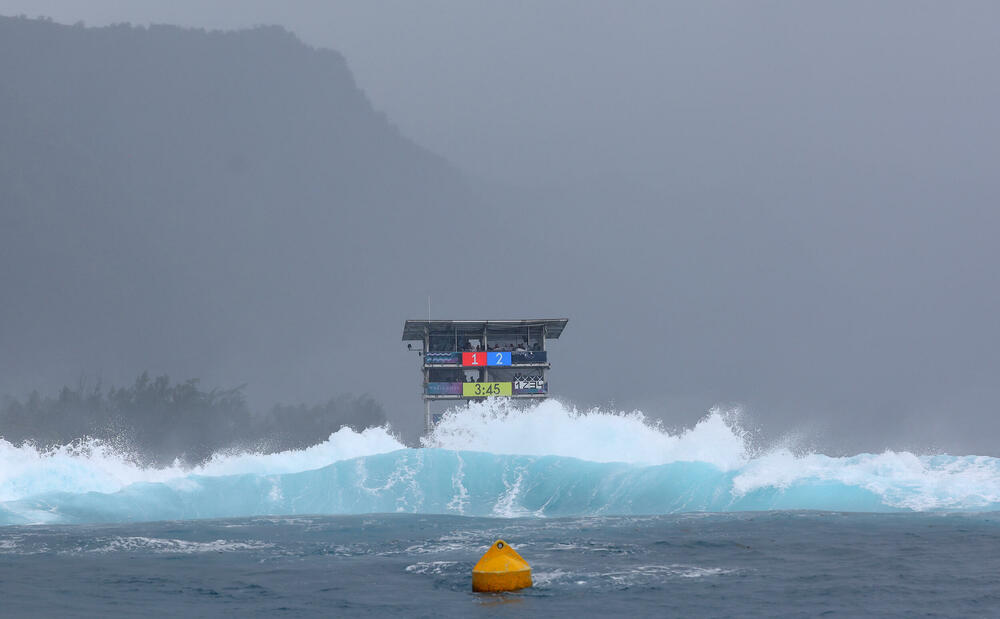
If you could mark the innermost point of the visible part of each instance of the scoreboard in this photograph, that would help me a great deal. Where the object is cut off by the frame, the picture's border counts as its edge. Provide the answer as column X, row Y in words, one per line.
column 530, row 386
column 486, row 358
column 474, row 359
column 485, row 390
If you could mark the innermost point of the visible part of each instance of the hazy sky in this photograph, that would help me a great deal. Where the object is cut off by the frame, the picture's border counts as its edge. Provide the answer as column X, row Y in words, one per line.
column 785, row 204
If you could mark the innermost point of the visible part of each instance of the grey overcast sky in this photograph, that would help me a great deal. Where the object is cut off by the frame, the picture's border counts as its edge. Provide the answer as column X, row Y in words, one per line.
column 789, row 205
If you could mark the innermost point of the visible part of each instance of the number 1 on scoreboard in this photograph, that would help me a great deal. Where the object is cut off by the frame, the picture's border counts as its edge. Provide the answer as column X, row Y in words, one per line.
column 472, row 358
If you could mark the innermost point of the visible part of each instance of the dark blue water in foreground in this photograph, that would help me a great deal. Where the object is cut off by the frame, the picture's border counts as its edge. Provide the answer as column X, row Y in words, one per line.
column 764, row 564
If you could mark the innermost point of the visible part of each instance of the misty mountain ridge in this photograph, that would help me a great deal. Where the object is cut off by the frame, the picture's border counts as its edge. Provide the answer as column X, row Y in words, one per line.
column 185, row 198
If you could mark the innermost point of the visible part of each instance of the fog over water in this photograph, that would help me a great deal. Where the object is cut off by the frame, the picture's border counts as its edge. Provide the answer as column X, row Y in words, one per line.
column 780, row 206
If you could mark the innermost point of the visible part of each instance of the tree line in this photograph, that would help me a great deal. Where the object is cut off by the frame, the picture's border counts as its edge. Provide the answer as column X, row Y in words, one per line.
column 160, row 421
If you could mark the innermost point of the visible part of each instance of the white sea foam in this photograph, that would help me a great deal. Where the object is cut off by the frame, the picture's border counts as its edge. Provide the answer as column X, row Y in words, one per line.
column 901, row 479
column 94, row 466
column 550, row 428
column 432, row 567
column 625, row 578
column 644, row 574
column 170, row 546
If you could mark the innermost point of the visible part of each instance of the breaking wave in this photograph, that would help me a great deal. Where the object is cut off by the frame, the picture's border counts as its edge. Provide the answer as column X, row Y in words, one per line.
column 493, row 460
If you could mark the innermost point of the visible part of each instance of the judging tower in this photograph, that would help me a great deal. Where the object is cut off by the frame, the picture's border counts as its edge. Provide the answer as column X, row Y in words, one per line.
column 475, row 359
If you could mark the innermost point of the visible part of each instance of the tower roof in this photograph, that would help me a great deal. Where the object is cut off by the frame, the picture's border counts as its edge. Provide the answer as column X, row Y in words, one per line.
column 414, row 329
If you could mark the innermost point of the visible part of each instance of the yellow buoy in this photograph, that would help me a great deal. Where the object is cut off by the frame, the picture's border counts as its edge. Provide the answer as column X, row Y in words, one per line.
column 501, row 569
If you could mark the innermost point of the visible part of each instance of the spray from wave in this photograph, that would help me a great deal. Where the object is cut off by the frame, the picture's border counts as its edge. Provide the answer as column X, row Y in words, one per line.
column 493, row 459
column 97, row 466
column 551, row 429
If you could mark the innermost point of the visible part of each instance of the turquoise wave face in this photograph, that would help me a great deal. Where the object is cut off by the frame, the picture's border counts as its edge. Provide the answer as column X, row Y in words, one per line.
column 491, row 459
column 481, row 484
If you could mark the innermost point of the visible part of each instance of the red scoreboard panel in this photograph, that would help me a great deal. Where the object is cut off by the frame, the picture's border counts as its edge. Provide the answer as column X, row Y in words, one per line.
column 474, row 358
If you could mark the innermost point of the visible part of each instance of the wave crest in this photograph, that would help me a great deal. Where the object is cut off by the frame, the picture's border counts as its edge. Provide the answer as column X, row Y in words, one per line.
column 96, row 466
column 552, row 429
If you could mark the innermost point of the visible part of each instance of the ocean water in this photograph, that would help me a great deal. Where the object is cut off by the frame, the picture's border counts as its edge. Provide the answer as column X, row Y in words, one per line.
column 413, row 565
column 615, row 514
